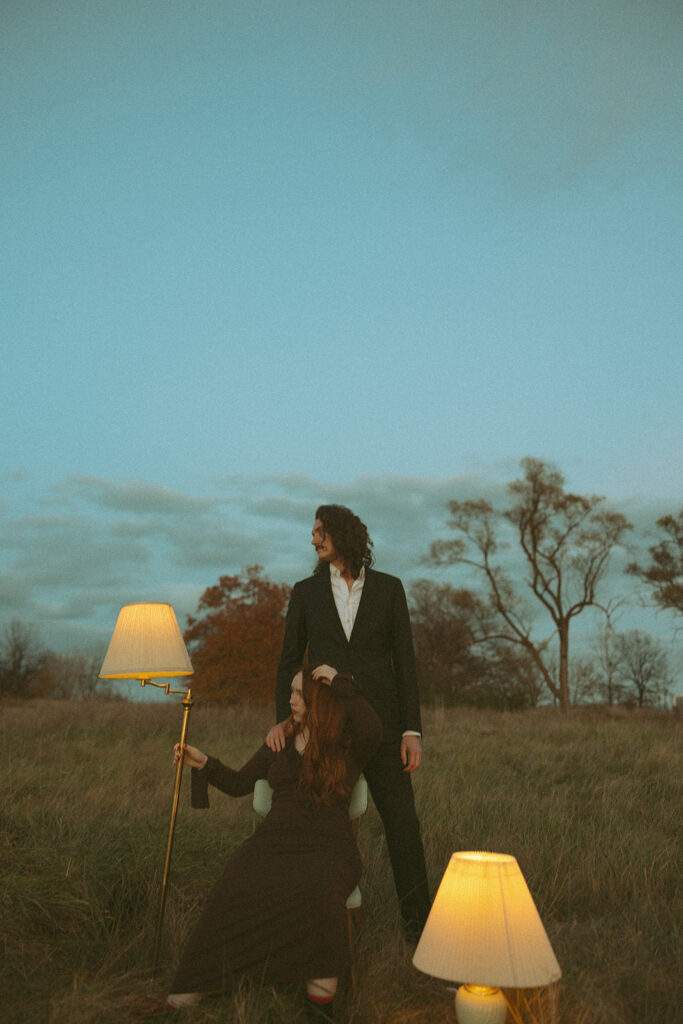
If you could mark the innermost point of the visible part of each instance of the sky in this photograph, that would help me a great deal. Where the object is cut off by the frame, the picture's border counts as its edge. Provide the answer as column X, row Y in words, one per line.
column 262, row 255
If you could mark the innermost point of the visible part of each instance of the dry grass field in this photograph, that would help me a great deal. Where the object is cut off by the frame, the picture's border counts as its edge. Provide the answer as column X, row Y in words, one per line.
column 589, row 804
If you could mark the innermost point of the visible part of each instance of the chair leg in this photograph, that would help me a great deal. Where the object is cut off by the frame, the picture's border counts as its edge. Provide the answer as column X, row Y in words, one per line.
column 352, row 950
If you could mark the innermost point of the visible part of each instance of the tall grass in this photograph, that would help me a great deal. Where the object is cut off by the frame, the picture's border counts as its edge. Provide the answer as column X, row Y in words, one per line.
column 589, row 804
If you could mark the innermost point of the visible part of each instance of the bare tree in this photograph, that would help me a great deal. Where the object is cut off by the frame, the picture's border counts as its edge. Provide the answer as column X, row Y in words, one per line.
column 664, row 575
column 566, row 541
column 644, row 664
column 72, row 676
column 584, row 681
column 606, row 655
column 512, row 680
column 21, row 657
column 607, row 663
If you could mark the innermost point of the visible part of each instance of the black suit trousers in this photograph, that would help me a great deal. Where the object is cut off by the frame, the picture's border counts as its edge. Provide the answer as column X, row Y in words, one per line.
column 392, row 792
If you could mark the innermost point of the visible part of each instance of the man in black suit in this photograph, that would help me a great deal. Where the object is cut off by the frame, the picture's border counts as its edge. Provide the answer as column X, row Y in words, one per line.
column 350, row 616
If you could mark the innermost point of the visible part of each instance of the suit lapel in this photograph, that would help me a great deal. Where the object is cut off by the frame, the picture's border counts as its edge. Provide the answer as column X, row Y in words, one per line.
column 365, row 604
column 327, row 600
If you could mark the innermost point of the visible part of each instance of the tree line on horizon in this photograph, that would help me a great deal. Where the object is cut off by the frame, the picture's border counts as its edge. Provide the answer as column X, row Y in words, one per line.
column 477, row 645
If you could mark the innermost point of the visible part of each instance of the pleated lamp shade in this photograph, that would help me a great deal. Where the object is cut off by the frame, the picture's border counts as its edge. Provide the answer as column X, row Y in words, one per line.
column 484, row 929
column 146, row 644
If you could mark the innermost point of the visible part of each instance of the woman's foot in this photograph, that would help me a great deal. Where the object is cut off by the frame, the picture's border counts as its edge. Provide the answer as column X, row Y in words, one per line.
column 145, row 1005
column 179, row 1000
column 320, row 1011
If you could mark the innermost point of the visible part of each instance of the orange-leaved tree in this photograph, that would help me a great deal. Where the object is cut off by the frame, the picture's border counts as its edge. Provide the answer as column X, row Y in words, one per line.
column 236, row 638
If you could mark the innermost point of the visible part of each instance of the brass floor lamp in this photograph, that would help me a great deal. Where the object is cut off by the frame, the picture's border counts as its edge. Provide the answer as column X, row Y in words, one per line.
column 147, row 645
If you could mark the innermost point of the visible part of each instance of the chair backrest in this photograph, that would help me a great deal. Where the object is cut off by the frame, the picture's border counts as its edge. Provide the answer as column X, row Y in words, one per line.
column 263, row 798
column 358, row 804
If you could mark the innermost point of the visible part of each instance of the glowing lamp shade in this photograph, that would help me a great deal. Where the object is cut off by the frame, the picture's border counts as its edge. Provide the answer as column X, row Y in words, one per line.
column 484, row 931
column 146, row 644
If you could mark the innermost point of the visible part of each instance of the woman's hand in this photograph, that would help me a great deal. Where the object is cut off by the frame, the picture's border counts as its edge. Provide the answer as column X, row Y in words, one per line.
column 193, row 757
column 324, row 673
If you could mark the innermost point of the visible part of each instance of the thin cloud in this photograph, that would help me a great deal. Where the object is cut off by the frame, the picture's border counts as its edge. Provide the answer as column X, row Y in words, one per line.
column 135, row 496
column 108, row 543
column 58, row 551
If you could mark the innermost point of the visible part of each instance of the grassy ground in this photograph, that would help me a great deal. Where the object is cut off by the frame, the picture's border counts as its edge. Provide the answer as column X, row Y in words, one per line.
column 589, row 805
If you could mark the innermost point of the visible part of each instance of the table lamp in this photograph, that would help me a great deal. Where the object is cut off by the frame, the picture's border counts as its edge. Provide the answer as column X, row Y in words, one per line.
column 147, row 645
column 484, row 932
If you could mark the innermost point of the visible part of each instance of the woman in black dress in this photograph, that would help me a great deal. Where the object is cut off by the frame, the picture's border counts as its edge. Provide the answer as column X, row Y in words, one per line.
column 278, row 911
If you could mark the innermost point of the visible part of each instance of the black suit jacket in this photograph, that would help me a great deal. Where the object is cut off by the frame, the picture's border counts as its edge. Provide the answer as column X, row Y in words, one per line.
column 379, row 653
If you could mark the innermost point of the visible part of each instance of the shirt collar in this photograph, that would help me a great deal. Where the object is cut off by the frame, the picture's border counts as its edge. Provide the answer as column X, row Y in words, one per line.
column 336, row 574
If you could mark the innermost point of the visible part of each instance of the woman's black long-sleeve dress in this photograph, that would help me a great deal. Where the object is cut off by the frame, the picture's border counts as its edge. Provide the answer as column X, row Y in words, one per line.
column 278, row 911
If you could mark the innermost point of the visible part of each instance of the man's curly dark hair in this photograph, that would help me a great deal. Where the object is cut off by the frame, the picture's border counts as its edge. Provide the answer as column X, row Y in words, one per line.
column 349, row 536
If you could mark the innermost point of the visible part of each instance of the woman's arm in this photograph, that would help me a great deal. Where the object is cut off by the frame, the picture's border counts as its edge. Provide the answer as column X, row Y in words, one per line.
column 228, row 780
column 364, row 723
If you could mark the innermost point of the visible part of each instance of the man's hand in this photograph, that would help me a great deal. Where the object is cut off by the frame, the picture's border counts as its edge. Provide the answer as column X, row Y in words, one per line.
column 325, row 673
column 411, row 753
column 275, row 740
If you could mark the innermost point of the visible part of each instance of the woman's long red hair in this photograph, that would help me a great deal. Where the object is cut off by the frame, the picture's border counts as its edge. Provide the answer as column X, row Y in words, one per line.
column 323, row 765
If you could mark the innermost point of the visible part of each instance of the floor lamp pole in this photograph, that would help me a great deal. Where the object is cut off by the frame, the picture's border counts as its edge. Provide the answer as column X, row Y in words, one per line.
column 187, row 705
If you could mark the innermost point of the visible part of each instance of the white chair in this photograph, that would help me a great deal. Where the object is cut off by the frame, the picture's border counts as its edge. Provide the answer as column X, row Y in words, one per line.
column 358, row 805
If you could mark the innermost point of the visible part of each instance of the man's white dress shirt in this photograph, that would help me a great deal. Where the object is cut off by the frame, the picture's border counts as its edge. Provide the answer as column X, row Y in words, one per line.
column 347, row 602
